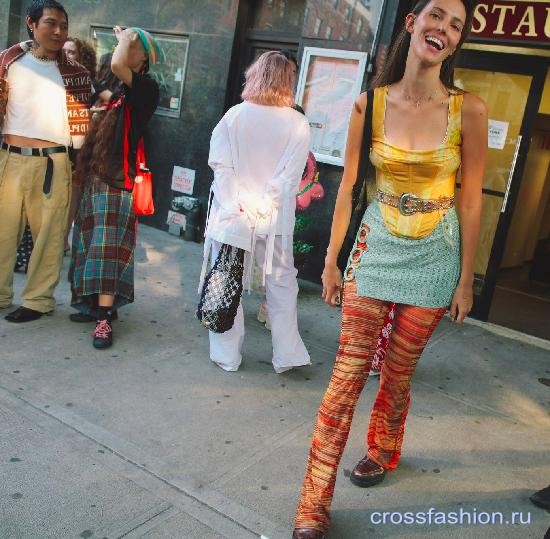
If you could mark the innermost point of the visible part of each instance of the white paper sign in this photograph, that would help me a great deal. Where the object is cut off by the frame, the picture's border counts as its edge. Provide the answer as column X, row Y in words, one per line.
column 175, row 218
column 183, row 180
column 497, row 134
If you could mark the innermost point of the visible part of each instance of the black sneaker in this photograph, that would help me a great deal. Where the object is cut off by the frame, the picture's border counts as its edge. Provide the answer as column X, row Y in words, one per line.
column 541, row 498
column 83, row 317
column 103, row 334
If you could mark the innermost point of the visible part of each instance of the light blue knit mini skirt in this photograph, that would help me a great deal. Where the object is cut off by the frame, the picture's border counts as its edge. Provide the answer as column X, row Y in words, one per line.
column 422, row 272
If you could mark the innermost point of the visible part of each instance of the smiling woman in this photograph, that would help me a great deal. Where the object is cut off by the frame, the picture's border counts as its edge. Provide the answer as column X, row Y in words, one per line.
column 411, row 254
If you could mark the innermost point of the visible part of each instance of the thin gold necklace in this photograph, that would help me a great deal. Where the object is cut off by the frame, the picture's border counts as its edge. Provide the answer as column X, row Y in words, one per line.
column 418, row 101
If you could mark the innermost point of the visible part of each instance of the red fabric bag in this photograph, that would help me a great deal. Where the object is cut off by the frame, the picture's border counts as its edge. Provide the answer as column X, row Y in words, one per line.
column 143, row 185
column 143, row 182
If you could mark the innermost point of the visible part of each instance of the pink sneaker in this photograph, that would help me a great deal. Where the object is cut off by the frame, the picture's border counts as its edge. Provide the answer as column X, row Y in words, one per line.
column 103, row 334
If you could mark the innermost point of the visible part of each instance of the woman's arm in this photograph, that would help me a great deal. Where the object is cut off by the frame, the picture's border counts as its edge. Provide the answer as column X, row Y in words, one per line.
column 474, row 156
column 105, row 96
column 220, row 160
column 332, row 278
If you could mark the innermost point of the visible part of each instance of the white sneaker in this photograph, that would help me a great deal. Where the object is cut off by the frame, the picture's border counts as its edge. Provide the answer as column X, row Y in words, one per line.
column 263, row 316
column 280, row 370
column 226, row 368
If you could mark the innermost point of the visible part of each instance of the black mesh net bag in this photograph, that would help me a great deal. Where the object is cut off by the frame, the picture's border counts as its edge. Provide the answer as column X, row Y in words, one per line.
column 222, row 290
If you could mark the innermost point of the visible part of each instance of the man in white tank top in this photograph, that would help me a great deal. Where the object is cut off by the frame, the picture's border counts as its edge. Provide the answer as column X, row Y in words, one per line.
column 37, row 119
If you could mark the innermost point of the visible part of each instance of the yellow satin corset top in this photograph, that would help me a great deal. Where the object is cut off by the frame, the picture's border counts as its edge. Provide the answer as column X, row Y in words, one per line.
column 427, row 174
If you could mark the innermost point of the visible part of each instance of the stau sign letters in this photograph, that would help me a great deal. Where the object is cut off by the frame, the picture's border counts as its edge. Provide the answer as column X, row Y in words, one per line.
column 518, row 20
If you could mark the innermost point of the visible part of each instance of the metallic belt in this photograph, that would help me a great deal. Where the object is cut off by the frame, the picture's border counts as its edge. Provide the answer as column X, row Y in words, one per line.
column 407, row 203
column 39, row 152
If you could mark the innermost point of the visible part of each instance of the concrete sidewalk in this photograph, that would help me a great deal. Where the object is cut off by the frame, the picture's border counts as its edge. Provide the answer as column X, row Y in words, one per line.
column 150, row 439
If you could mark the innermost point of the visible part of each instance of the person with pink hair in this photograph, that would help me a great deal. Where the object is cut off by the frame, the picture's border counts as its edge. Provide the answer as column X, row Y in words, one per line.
column 258, row 151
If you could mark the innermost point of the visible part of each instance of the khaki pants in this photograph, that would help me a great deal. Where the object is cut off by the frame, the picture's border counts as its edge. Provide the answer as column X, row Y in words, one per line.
column 22, row 200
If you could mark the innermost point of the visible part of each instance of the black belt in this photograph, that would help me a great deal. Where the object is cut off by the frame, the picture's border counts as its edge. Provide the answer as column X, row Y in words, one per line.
column 39, row 152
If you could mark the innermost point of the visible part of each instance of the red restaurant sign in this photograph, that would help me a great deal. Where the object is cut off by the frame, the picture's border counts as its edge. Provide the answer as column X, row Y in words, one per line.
column 512, row 20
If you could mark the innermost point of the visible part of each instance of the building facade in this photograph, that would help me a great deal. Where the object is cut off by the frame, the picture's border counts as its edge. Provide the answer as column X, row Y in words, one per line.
column 210, row 44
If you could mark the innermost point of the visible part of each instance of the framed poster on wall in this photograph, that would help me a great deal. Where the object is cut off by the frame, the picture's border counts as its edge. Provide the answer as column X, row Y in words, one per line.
column 330, row 80
column 169, row 74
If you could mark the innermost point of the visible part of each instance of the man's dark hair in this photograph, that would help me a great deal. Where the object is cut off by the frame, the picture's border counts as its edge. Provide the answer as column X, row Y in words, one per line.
column 36, row 10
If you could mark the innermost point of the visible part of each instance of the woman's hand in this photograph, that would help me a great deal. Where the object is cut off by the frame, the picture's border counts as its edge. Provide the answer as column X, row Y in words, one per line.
column 119, row 32
column 332, row 282
column 463, row 299
column 128, row 33
column 332, row 277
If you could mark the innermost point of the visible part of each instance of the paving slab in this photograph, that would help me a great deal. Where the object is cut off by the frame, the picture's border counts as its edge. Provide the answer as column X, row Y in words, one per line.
column 166, row 444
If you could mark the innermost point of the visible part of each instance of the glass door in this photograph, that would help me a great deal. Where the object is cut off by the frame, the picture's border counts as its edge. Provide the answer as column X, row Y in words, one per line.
column 511, row 87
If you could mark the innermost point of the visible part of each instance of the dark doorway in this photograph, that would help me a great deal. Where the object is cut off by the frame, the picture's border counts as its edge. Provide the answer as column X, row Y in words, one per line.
column 262, row 25
column 521, row 299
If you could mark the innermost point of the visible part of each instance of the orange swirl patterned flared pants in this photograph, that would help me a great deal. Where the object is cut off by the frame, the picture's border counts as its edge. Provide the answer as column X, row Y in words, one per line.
column 362, row 319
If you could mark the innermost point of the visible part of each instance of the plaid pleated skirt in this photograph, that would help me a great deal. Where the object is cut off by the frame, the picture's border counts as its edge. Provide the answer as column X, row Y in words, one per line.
column 103, row 246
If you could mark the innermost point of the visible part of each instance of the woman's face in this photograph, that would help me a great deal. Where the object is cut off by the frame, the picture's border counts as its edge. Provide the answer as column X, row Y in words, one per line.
column 436, row 30
column 70, row 48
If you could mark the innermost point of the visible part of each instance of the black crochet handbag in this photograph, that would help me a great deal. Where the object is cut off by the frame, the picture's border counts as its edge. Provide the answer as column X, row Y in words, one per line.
column 222, row 290
column 361, row 189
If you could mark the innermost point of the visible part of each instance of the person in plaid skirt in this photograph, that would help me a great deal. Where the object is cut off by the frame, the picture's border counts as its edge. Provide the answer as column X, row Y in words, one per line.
column 104, row 235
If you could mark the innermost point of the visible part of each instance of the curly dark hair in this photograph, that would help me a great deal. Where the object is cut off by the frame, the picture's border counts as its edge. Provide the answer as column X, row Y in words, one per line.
column 105, row 75
column 85, row 55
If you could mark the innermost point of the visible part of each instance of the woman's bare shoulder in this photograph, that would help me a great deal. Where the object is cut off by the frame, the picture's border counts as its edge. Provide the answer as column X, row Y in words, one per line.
column 473, row 106
column 360, row 103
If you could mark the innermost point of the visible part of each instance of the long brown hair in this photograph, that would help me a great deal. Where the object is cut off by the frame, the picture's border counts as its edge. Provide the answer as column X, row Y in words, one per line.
column 93, row 157
column 394, row 68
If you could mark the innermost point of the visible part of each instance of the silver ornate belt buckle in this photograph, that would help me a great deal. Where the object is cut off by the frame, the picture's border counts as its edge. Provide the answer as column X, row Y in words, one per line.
column 404, row 199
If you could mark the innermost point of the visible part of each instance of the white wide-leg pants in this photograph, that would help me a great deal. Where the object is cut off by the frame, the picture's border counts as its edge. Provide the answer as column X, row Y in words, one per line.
column 281, row 294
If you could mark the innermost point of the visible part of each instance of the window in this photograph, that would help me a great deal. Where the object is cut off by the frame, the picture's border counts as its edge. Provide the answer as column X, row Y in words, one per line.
column 170, row 74
column 347, row 12
column 328, row 32
column 280, row 16
column 360, row 25
column 328, row 84
column 335, row 3
column 318, row 23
